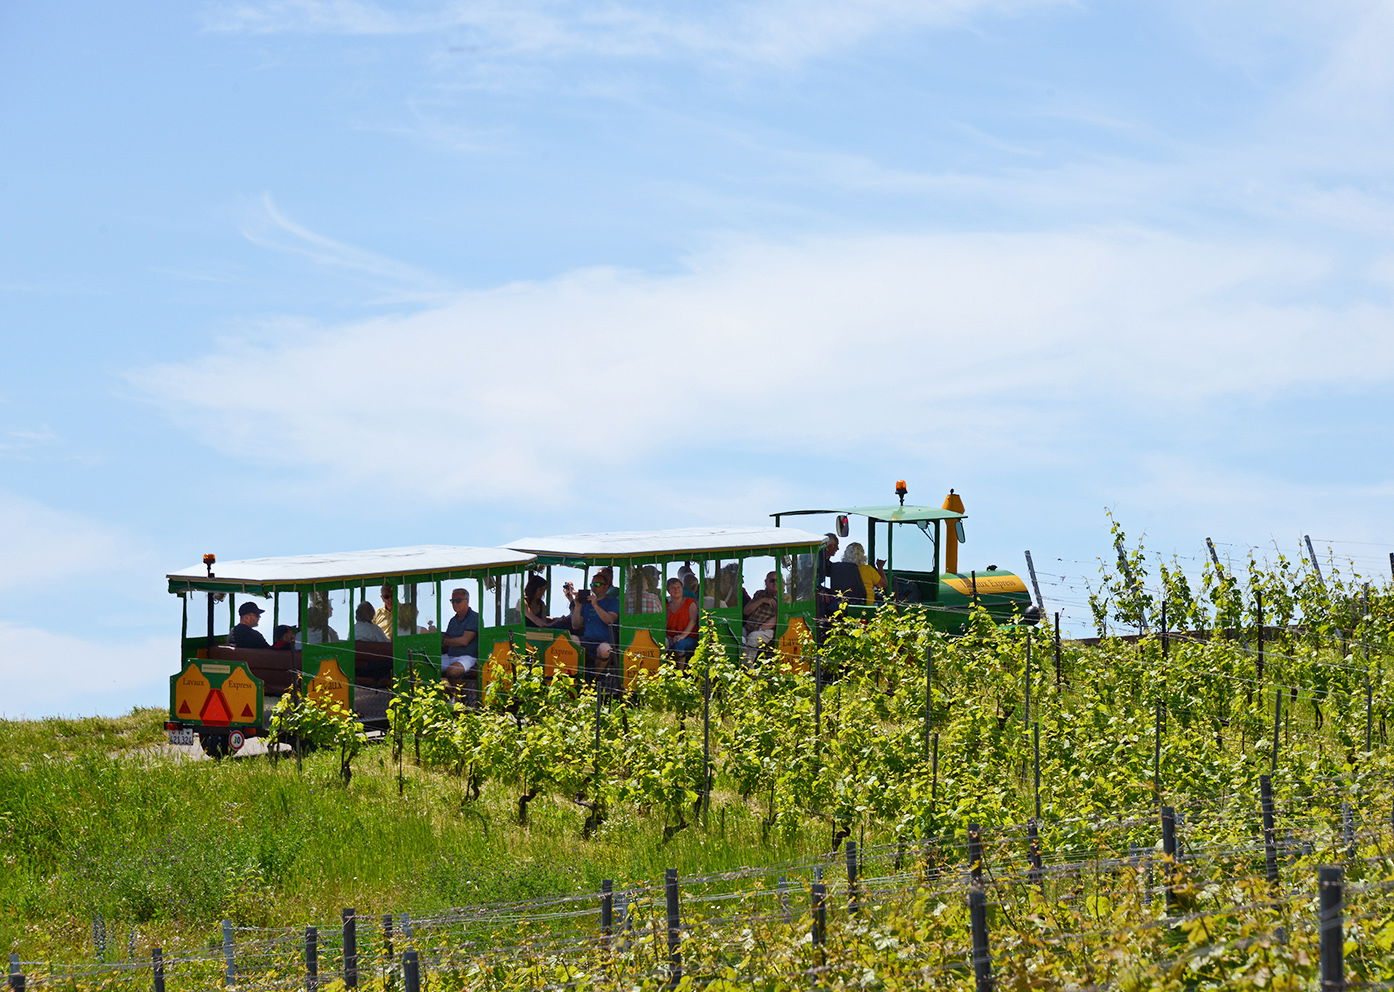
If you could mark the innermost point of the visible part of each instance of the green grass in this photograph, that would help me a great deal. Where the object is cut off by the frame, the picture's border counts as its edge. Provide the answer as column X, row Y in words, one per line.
column 95, row 819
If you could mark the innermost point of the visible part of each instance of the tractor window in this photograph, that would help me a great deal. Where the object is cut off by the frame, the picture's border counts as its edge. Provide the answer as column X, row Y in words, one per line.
column 912, row 548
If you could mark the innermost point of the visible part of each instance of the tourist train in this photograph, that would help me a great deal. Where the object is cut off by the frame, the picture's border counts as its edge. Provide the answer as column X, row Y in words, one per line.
column 761, row 588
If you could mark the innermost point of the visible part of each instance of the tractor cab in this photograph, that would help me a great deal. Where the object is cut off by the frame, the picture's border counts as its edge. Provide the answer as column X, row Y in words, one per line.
column 908, row 555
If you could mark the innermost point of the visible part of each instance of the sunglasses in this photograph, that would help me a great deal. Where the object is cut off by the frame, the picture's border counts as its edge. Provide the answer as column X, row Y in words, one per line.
column 459, row 599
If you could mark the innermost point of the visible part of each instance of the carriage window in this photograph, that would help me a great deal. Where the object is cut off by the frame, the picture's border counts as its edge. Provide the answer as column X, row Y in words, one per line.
column 690, row 576
column 561, row 575
column 491, row 606
column 476, row 597
column 798, row 578
column 756, row 572
column 723, row 583
column 642, row 593
column 326, row 613
column 421, row 608
column 282, row 611
column 511, row 594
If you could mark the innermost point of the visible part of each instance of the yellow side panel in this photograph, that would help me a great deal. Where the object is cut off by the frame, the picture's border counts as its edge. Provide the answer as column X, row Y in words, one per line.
column 190, row 692
column 791, row 645
column 330, row 684
column 561, row 658
column 499, row 665
column 642, row 655
column 987, row 584
column 240, row 694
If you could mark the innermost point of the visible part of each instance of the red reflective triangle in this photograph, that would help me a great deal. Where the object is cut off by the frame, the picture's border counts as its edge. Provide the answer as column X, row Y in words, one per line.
column 184, row 708
column 215, row 711
column 247, row 713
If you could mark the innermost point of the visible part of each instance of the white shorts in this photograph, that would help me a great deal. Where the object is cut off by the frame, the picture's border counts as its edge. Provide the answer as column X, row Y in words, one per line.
column 467, row 660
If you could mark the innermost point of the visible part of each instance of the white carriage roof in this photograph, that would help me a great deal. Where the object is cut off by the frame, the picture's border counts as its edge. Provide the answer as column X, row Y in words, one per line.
column 634, row 543
column 426, row 558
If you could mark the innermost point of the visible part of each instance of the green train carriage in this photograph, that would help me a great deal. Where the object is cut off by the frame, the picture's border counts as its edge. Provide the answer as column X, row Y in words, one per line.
column 721, row 561
column 224, row 694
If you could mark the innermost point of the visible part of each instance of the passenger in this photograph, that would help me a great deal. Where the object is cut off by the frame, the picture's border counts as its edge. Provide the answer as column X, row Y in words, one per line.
column 825, row 601
column 317, row 614
column 727, row 582
column 689, row 581
column 459, row 650
column 825, row 557
column 761, row 614
column 682, row 622
column 364, row 627
column 535, row 605
column 389, row 615
column 245, row 634
column 284, row 639
column 642, row 594
column 594, row 612
column 871, row 578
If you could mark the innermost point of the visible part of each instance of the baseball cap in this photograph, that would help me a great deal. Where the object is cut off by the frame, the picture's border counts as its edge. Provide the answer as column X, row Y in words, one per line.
column 246, row 608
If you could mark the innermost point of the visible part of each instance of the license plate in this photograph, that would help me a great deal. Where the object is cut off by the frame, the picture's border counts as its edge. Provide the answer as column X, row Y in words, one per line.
column 184, row 735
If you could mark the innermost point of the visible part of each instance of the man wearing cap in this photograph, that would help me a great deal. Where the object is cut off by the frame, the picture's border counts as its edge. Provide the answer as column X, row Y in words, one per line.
column 245, row 634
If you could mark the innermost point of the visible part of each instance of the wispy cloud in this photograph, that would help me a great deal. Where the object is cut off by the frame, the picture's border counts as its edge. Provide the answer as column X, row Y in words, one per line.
column 268, row 227
column 778, row 32
column 799, row 348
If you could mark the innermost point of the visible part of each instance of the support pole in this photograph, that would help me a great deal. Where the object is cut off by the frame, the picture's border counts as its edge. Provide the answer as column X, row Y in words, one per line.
column 1169, row 849
column 1258, row 662
column 1331, row 890
column 157, row 969
column 411, row 971
column 982, row 953
column 1316, row 566
column 1270, row 842
column 1035, row 586
column 1036, row 876
column 670, row 889
column 853, row 897
column 229, row 964
column 1057, row 651
column 975, row 853
column 350, row 949
column 819, row 905
column 928, row 695
column 1036, row 749
column 311, row 959
column 607, row 911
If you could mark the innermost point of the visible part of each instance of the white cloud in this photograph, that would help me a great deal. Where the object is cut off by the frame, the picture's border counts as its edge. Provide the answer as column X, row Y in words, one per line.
column 925, row 344
column 47, row 674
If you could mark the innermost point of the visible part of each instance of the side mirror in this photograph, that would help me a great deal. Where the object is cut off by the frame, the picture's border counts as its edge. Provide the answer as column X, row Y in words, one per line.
column 958, row 527
column 842, row 526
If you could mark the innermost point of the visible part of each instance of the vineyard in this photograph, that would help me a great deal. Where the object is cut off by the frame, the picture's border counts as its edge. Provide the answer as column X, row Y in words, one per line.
column 1163, row 809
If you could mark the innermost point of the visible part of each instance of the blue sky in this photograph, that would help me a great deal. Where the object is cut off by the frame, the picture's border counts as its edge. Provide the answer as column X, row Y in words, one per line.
column 311, row 275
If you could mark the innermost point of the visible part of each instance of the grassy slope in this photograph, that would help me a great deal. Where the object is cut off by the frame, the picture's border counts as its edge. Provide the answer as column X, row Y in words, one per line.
column 95, row 817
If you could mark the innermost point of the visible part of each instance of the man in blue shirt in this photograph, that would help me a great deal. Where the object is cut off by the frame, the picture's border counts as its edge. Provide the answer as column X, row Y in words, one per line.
column 459, row 651
column 594, row 613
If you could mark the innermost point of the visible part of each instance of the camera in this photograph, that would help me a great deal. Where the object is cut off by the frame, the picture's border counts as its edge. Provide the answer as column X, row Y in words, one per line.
column 584, row 596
